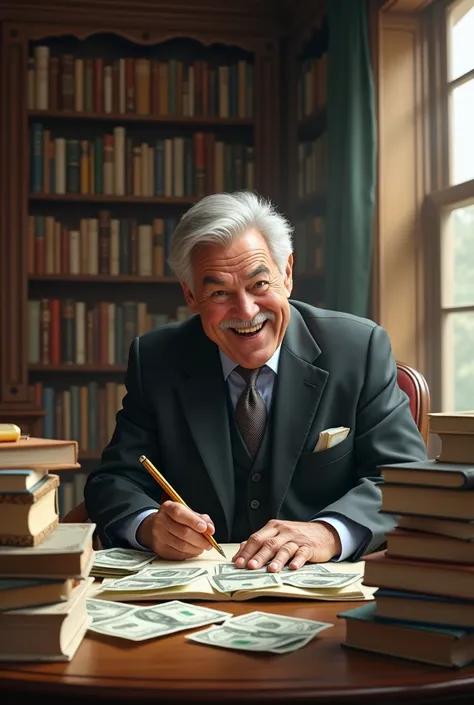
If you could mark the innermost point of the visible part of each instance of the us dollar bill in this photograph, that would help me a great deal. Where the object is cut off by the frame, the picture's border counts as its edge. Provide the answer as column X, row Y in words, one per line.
column 248, row 580
column 153, row 580
column 141, row 623
column 317, row 581
column 119, row 561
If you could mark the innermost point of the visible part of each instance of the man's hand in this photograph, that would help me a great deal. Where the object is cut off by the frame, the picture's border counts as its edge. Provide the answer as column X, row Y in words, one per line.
column 175, row 532
column 293, row 542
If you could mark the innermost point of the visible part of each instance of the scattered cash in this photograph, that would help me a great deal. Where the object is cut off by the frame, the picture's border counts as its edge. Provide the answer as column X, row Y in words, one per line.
column 255, row 631
column 316, row 576
column 261, row 631
column 245, row 580
column 141, row 623
column 119, row 561
column 150, row 580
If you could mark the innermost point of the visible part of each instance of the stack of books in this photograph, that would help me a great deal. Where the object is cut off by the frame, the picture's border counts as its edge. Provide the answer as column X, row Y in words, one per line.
column 424, row 605
column 44, row 565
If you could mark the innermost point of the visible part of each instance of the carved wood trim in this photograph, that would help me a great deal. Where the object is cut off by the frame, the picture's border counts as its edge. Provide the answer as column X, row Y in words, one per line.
column 145, row 37
column 248, row 17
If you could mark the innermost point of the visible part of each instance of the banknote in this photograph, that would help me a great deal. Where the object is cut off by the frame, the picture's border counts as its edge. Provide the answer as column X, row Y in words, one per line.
column 228, row 638
column 141, row 623
column 308, row 580
column 221, row 568
column 102, row 611
column 153, row 579
column 246, row 580
column 119, row 561
column 278, row 624
column 261, row 631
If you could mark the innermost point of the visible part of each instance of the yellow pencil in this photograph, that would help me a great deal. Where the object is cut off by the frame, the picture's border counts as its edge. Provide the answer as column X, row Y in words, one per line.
column 165, row 485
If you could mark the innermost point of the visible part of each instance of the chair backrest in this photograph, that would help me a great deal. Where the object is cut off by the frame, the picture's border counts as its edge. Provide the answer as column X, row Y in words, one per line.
column 416, row 388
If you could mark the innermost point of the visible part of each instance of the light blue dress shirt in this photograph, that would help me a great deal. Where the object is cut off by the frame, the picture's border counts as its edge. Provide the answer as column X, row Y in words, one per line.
column 351, row 534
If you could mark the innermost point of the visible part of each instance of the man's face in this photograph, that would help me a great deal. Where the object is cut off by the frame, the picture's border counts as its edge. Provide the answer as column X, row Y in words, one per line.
column 237, row 286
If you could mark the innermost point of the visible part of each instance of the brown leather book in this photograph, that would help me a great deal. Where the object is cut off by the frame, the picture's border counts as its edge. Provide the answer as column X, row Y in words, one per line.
column 50, row 453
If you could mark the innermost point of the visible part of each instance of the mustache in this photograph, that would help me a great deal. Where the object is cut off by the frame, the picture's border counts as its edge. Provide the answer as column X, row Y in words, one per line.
column 256, row 321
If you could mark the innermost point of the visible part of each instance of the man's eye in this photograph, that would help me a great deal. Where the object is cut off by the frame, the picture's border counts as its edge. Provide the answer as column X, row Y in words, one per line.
column 261, row 284
column 216, row 294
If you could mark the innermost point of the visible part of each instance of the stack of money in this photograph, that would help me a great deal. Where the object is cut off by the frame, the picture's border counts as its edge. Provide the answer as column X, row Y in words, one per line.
column 114, row 562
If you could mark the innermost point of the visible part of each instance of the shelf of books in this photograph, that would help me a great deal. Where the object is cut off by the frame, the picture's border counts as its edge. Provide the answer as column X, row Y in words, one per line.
column 309, row 197
column 124, row 137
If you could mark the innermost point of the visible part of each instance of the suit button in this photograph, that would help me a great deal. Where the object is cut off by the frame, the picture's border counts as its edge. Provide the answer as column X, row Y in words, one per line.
column 256, row 477
column 255, row 504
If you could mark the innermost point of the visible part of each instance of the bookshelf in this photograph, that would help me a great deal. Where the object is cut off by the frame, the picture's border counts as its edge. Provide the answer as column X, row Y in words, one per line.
column 114, row 133
column 307, row 158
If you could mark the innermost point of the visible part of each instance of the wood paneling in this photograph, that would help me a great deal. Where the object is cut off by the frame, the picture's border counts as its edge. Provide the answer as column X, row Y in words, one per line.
column 261, row 17
column 399, row 267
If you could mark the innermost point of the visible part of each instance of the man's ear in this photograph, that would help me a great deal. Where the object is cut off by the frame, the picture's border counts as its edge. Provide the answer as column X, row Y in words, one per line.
column 190, row 299
column 288, row 278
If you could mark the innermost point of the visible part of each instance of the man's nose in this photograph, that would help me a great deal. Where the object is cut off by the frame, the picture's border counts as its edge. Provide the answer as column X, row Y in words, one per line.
column 246, row 307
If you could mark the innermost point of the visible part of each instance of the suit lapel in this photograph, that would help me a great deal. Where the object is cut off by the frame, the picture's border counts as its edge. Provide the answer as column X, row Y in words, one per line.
column 204, row 400
column 299, row 388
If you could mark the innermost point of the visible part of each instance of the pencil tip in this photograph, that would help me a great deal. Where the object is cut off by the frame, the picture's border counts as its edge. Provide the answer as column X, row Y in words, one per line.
column 221, row 552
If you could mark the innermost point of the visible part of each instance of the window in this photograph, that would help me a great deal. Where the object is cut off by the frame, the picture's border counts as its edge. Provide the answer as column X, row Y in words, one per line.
column 455, row 212
column 461, row 90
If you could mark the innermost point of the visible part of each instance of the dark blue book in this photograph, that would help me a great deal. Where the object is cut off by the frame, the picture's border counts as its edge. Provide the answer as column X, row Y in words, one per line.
column 430, row 473
column 452, row 647
column 414, row 607
column 17, row 593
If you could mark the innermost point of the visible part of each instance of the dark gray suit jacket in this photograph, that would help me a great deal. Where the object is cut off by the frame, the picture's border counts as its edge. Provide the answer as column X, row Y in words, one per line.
column 335, row 370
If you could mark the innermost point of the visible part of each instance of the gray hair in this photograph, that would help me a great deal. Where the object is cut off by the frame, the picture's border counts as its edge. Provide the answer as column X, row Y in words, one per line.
column 220, row 219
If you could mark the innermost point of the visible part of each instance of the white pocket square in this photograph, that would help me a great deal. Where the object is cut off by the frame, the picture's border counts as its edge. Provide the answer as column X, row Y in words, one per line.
column 331, row 437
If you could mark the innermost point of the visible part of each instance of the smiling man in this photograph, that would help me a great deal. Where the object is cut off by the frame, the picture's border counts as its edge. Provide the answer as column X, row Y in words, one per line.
column 230, row 405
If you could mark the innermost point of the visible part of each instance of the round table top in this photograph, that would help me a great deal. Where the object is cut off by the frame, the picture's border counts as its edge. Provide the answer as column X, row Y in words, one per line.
column 175, row 669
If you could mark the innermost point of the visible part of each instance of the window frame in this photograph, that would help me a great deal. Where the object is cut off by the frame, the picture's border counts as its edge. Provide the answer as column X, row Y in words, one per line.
column 445, row 198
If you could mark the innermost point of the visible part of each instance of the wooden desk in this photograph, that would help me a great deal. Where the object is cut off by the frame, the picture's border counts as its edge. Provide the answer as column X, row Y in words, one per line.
column 174, row 670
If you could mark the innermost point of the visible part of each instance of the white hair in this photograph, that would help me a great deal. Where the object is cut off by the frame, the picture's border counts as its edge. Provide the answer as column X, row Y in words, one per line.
column 222, row 218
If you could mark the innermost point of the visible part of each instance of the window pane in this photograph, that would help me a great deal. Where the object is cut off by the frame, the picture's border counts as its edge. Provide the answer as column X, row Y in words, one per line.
column 457, row 258
column 461, row 33
column 458, row 362
column 462, row 132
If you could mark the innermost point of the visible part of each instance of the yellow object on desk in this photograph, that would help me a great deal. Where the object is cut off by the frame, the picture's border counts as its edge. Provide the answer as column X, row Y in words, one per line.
column 9, row 432
column 165, row 485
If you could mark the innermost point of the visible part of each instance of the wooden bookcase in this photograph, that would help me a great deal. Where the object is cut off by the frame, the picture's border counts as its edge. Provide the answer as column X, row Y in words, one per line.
column 307, row 149
column 59, row 237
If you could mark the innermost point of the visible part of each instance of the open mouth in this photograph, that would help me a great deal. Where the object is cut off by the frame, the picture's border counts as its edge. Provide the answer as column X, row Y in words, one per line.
column 249, row 332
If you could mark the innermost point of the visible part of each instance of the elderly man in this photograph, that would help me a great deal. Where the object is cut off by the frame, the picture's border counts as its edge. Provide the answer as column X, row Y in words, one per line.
column 230, row 404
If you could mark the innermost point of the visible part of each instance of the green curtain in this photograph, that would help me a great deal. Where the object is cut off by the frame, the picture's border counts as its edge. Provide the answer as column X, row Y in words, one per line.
column 351, row 174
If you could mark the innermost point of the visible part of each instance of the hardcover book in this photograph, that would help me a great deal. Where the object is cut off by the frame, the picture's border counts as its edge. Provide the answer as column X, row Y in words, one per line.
column 26, row 518
column 50, row 633
column 39, row 453
column 66, row 553
column 442, row 646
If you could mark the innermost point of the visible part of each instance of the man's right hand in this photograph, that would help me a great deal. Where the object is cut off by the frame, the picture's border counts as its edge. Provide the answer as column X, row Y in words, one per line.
column 175, row 532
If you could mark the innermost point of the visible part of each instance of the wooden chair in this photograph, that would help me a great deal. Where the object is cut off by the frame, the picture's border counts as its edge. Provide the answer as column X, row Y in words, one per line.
column 416, row 388
column 410, row 381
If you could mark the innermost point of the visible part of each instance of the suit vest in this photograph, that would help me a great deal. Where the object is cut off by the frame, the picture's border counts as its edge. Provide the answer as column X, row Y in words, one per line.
column 252, row 482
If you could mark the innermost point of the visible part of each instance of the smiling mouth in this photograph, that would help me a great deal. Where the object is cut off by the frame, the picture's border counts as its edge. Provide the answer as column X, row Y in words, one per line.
column 249, row 332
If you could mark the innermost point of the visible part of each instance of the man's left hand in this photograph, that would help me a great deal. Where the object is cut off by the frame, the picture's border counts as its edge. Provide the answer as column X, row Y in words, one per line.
column 292, row 542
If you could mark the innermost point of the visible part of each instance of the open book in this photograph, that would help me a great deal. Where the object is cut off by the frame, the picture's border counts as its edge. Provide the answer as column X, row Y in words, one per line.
column 214, row 580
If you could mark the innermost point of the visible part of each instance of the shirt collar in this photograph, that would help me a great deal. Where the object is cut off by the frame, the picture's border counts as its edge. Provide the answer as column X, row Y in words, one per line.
column 229, row 365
